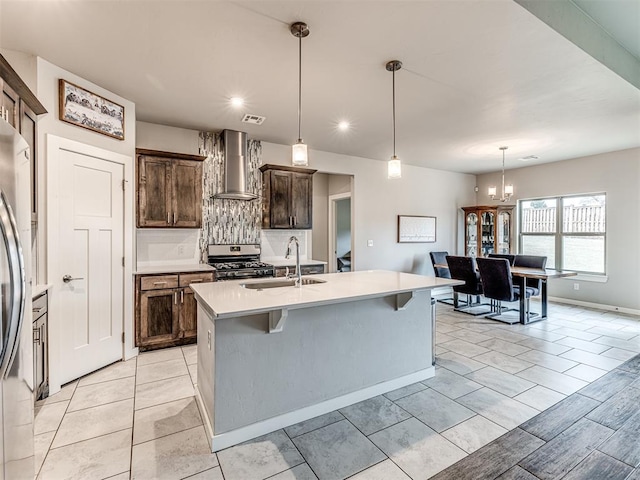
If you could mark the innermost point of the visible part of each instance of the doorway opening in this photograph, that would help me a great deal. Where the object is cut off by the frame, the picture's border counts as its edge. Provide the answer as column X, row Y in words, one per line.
column 340, row 232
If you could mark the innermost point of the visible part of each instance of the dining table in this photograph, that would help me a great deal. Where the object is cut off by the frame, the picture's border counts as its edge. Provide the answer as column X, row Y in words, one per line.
column 520, row 274
column 544, row 274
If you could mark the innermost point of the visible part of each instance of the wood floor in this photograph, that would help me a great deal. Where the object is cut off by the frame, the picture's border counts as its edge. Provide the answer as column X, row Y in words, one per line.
column 592, row 434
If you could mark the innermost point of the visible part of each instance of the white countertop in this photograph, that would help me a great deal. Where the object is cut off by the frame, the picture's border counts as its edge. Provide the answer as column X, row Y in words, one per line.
column 291, row 262
column 191, row 267
column 229, row 299
column 38, row 290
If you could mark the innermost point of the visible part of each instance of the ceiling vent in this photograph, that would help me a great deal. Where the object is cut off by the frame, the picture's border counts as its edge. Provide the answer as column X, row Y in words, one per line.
column 254, row 119
column 529, row 157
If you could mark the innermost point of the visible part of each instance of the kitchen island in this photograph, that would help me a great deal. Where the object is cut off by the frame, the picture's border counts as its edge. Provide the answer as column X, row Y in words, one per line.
column 272, row 357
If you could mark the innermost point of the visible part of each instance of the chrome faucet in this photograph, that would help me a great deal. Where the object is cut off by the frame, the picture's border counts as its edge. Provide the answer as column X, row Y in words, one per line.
column 298, row 271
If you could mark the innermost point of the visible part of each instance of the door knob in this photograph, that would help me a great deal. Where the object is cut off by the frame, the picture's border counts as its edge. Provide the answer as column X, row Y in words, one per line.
column 69, row 278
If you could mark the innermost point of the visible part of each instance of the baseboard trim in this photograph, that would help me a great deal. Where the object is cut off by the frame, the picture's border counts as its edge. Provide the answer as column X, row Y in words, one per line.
column 205, row 417
column 234, row 437
column 599, row 306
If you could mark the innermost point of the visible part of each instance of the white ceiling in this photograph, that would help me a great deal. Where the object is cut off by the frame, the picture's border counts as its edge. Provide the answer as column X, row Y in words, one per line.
column 477, row 74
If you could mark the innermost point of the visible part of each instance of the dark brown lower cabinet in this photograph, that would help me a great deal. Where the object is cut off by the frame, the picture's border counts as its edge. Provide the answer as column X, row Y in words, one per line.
column 188, row 314
column 159, row 318
column 166, row 317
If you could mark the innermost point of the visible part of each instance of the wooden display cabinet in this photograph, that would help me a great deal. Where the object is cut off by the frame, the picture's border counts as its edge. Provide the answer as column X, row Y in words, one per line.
column 488, row 229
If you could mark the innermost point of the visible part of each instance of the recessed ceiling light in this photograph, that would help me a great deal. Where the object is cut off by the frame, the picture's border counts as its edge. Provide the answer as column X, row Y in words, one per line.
column 344, row 125
column 237, row 101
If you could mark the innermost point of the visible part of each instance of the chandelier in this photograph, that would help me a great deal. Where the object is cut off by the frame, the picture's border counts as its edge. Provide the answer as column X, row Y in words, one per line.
column 507, row 190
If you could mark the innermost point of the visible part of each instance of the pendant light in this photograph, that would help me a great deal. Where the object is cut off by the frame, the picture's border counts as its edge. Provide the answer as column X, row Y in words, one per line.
column 507, row 190
column 299, row 155
column 394, row 167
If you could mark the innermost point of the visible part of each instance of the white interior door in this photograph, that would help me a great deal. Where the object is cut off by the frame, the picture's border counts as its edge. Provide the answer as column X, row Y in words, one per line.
column 90, row 273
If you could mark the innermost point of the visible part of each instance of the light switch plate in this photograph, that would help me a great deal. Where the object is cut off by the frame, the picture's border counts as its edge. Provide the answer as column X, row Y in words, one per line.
column 369, row 243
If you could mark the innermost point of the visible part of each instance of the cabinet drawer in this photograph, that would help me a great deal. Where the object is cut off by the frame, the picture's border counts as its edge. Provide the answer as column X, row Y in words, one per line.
column 188, row 278
column 39, row 306
column 158, row 281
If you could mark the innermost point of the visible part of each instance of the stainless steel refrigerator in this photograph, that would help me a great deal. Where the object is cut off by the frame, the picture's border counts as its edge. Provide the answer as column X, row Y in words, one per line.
column 16, row 354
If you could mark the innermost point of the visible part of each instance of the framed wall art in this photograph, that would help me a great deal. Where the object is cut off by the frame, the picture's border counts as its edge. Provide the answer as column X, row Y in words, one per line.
column 416, row 229
column 86, row 109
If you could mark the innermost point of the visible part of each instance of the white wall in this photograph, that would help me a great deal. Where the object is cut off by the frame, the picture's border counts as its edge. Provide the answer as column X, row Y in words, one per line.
column 378, row 201
column 167, row 139
column 320, row 243
column 167, row 246
column 617, row 174
column 42, row 76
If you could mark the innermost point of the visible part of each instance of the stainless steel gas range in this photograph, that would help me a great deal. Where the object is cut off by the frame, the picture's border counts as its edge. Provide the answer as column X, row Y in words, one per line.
column 234, row 262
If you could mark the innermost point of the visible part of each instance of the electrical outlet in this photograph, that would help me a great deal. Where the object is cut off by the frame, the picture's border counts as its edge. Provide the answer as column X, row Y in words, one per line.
column 576, row 286
column 180, row 249
column 369, row 243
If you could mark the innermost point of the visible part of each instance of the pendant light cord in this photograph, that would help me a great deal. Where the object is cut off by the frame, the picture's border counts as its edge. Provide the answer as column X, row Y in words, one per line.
column 503, row 173
column 394, row 111
column 299, row 86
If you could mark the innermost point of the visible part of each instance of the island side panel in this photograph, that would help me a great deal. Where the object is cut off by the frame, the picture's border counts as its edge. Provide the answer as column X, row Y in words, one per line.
column 206, row 363
column 322, row 353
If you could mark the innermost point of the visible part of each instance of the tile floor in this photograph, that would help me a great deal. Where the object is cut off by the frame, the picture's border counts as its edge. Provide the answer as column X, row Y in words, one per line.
column 138, row 419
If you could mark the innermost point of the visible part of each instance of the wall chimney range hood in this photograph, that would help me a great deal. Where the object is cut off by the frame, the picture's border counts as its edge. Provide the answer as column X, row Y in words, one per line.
column 236, row 166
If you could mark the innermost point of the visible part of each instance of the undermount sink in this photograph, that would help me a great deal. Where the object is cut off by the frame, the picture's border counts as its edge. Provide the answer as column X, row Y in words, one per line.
column 280, row 283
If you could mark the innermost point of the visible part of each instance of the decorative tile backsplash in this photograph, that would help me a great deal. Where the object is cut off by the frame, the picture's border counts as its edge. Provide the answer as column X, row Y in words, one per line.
column 227, row 221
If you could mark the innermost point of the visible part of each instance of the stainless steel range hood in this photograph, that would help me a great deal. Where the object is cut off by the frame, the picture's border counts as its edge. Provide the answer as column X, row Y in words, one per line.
column 236, row 166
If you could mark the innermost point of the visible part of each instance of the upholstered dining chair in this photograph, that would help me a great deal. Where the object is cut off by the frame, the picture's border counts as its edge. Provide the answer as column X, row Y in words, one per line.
column 498, row 286
column 508, row 256
column 440, row 258
column 464, row 268
column 532, row 261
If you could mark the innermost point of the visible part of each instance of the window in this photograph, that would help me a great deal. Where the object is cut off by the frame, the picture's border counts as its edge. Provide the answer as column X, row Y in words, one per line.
column 569, row 230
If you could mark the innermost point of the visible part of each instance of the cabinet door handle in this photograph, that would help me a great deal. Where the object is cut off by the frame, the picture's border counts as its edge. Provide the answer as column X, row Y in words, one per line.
column 295, row 221
column 174, row 218
column 36, row 336
column 181, row 296
column 159, row 283
column 175, row 298
column 169, row 218
column 197, row 280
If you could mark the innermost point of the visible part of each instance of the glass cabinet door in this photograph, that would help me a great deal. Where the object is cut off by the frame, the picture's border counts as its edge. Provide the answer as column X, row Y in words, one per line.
column 504, row 232
column 488, row 240
column 471, row 236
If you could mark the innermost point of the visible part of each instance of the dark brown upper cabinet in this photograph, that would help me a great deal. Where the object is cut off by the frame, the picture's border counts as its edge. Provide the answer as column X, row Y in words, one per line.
column 287, row 196
column 169, row 190
column 21, row 108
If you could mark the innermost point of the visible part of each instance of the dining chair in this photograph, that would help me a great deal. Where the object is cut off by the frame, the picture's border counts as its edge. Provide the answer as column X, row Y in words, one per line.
column 465, row 268
column 440, row 258
column 498, row 286
column 508, row 256
column 532, row 261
